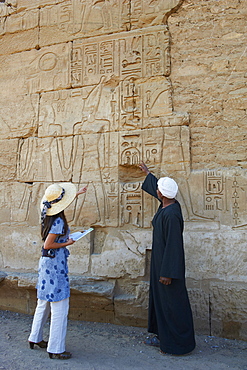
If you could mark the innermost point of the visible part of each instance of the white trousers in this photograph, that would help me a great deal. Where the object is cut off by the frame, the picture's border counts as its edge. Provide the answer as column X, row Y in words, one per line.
column 58, row 326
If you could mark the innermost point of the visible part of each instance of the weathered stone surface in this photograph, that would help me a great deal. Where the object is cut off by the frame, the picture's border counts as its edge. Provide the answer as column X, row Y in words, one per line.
column 88, row 89
column 13, row 43
column 20, row 249
column 19, row 117
column 122, row 254
column 229, row 304
column 8, row 159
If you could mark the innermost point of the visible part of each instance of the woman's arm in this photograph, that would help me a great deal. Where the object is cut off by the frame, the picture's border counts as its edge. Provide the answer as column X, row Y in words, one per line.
column 81, row 191
column 50, row 242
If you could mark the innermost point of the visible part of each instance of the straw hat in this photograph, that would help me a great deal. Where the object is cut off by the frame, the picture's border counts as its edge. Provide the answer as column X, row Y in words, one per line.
column 57, row 197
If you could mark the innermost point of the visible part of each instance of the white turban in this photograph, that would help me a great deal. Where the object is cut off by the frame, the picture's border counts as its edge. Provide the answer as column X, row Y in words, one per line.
column 168, row 187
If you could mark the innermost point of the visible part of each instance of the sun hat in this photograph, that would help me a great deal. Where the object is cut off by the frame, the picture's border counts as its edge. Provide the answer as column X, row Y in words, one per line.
column 57, row 197
column 168, row 187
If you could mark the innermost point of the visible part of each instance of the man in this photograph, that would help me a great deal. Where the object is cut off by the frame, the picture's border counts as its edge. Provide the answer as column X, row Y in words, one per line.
column 169, row 314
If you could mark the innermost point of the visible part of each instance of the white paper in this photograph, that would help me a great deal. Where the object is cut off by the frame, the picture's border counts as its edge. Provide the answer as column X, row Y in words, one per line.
column 79, row 234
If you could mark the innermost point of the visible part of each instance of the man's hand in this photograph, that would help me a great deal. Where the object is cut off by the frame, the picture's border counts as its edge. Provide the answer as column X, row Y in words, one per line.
column 165, row 280
column 144, row 168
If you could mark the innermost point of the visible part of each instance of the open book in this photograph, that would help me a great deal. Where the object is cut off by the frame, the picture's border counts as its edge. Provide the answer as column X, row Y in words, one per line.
column 79, row 234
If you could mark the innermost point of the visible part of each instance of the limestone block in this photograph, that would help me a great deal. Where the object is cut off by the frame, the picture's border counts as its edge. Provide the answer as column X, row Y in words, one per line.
column 8, row 153
column 122, row 253
column 91, row 297
column 8, row 7
column 129, row 312
column 26, row 4
column 22, row 21
column 18, row 117
column 211, row 254
column 79, row 258
column 19, row 248
column 229, row 304
column 25, row 280
column 199, row 295
column 236, row 99
column 19, row 203
column 132, row 306
column 20, row 41
column 35, row 71
column 93, row 286
column 17, row 299
column 89, row 308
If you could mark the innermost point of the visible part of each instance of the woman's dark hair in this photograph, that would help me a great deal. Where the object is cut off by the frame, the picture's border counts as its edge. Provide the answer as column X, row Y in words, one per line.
column 48, row 221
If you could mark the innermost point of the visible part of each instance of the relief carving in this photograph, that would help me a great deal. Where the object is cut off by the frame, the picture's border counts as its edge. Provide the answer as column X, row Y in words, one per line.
column 47, row 69
column 80, row 18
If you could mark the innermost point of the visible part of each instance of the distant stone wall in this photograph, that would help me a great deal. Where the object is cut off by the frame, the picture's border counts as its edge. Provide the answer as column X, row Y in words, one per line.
column 89, row 89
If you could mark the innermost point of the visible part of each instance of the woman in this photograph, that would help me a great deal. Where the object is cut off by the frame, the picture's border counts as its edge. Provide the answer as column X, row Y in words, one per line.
column 53, row 289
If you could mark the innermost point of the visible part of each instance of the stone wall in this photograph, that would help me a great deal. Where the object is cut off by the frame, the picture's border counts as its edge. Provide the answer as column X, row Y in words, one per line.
column 88, row 90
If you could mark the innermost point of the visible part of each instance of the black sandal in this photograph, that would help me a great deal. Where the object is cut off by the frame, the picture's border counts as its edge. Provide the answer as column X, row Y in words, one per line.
column 60, row 356
column 41, row 344
column 154, row 341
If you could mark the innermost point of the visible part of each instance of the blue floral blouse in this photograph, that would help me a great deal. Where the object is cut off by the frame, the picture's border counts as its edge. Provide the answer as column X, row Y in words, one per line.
column 53, row 280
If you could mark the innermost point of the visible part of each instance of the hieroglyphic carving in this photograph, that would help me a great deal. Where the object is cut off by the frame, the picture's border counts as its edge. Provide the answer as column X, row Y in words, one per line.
column 122, row 55
column 133, row 97
column 237, row 190
column 120, row 83
column 235, row 197
column 214, row 196
column 59, row 112
column 80, row 18
column 46, row 159
column 132, row 150
column 131, row 204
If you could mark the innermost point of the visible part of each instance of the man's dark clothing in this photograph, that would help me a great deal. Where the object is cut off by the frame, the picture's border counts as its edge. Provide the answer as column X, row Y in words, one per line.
column 169, row 315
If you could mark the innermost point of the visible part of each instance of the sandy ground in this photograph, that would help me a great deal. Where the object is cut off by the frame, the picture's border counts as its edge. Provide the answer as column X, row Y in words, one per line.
column 97, row 346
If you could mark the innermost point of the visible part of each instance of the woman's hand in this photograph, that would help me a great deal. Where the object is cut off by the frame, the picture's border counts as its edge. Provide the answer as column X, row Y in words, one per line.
column 70, row 241
column 82, row 190
column 144, row 168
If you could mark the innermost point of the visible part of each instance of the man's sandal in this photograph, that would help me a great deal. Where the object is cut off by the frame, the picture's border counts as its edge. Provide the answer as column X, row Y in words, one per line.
column 154, row 341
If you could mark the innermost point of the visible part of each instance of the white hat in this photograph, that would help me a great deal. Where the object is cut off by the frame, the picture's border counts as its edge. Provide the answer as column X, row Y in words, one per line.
column 57, row 197
column 168, row 187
